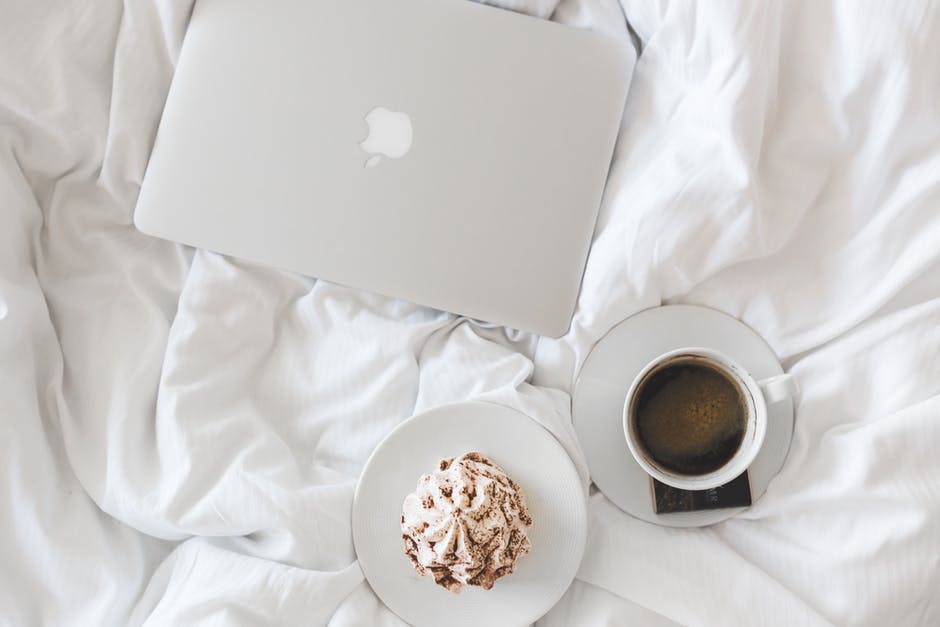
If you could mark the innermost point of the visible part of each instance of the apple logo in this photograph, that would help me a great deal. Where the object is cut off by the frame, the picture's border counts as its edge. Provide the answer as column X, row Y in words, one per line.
column 390, row 135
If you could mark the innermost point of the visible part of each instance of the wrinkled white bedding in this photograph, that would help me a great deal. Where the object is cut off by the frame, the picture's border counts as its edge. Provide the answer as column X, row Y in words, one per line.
column 180, row 433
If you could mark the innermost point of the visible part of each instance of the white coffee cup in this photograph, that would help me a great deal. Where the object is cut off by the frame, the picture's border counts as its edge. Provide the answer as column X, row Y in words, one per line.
column 756, row 395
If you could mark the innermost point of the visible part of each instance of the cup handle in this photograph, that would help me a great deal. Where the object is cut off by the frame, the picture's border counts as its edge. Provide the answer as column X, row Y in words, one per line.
column 778, row 388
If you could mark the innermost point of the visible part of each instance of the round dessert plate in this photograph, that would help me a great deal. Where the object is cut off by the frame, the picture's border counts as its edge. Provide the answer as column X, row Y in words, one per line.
column 531, row 456
column 597, row 404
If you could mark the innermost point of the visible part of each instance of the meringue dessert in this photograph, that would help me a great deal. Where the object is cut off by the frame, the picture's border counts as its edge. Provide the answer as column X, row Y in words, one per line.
column 465, row 523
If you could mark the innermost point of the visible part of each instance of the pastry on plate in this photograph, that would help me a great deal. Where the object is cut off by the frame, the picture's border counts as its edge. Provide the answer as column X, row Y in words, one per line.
column 465, row 523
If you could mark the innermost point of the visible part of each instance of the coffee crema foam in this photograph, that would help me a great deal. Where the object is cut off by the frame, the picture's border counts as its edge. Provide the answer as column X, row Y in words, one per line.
column 690, row 416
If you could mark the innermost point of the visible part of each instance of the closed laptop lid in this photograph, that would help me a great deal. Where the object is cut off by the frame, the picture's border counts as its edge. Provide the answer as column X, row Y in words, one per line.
column 439, row 151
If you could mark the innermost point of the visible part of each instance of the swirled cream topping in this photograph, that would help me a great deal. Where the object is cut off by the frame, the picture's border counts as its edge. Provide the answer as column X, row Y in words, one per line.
column 465, row 523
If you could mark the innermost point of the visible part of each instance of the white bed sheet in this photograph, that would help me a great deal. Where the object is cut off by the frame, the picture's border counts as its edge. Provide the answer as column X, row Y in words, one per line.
column 180, row 433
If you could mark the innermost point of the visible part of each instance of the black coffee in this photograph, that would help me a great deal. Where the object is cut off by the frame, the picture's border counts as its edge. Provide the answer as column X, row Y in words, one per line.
column 690, row 416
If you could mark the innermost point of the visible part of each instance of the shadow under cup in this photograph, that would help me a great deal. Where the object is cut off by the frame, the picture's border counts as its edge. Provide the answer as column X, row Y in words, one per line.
column 688, row 416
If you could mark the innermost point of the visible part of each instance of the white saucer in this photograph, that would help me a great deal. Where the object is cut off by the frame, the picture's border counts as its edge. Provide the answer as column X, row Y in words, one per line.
column 597, row 405
column 530, row 455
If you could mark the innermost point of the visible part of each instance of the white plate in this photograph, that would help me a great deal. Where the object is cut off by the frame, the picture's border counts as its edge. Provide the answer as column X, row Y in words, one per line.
column 531, row 456
column 597, row 405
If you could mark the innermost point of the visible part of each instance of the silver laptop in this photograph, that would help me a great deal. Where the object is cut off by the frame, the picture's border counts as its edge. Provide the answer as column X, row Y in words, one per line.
column 439, row 151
